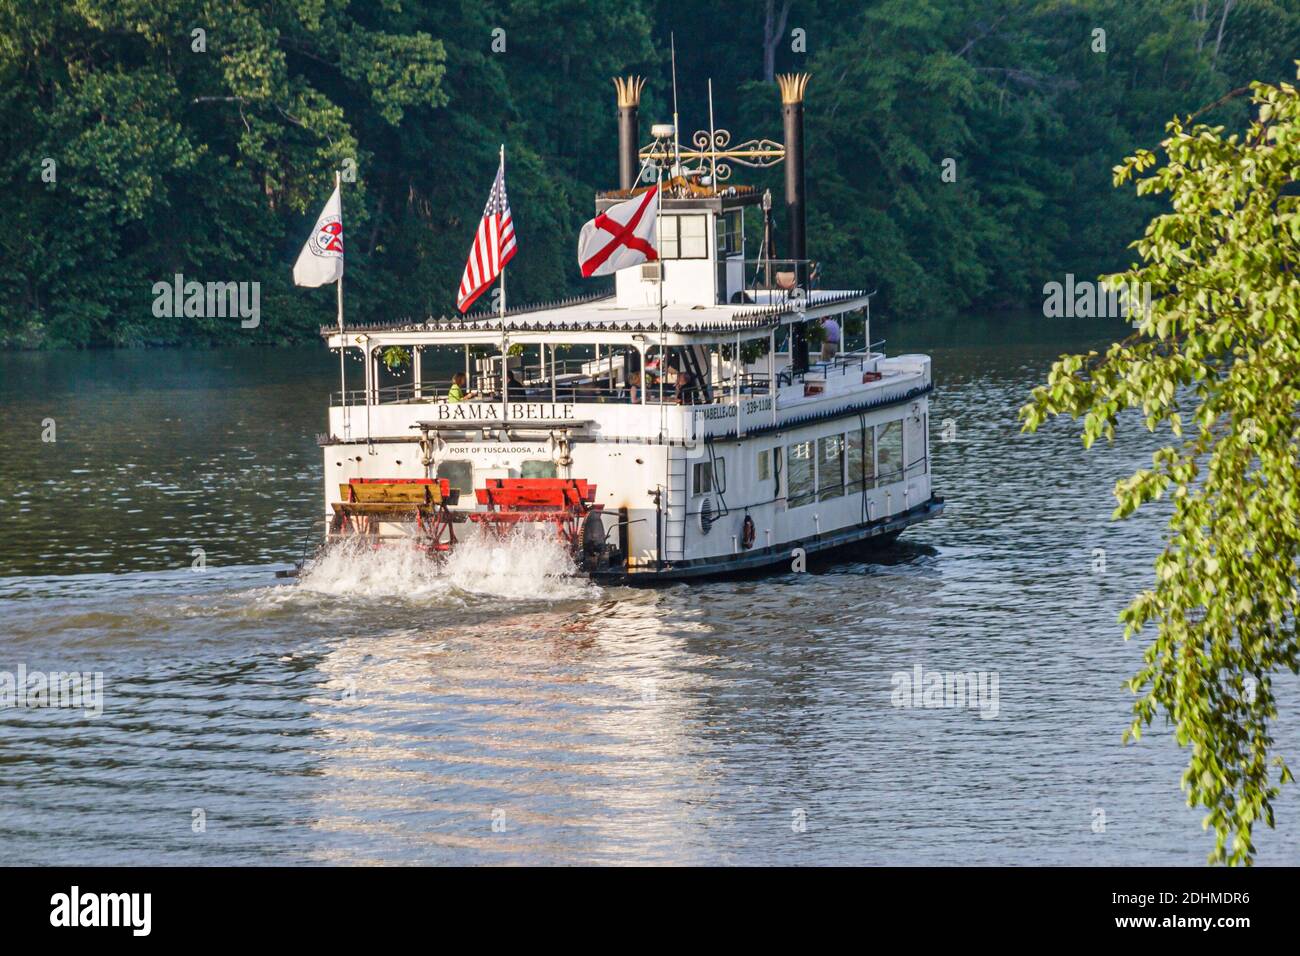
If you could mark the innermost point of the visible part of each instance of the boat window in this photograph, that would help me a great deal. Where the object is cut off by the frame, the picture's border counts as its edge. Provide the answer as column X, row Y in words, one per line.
column 889, row 449
column 460, row 474
column 693, row 231
column 914, row 441
column 764, row 466
column 537, row 468
column 830, row 466
column 730, row 233
column 702, row 478
column 861, row 460
column 685, row 237
column 800, row 469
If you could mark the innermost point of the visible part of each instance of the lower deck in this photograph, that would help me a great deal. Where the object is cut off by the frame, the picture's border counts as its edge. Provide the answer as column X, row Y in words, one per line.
column 676, row 508
column 790, row 555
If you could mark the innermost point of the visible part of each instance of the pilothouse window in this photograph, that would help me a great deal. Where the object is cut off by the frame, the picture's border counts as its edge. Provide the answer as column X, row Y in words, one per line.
column 685, row 237
column 730, row 233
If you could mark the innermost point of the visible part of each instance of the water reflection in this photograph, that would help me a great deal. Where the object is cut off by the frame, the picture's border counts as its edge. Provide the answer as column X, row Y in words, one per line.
column 392, row 714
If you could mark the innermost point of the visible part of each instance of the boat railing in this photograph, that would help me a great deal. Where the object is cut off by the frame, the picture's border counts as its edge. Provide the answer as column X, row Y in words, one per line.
column 778, row 281
column 602, row 367
column 393, row 394
column 749, row 383
column 597, row 391
column 839, row 365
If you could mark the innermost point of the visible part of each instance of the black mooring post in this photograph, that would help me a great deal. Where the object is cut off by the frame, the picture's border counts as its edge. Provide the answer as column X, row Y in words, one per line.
column 629, row 102
column 793, row 86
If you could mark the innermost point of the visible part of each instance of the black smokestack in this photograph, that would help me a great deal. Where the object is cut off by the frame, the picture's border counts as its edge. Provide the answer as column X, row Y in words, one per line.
column 793, row 86
column 629, row 102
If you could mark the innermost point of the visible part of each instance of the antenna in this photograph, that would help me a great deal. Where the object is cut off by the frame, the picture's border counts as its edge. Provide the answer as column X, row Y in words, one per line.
column 677, row 146
column 713, row 144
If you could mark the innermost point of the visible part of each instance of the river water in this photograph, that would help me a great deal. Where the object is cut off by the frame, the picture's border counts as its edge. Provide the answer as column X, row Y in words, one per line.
column 499, row 712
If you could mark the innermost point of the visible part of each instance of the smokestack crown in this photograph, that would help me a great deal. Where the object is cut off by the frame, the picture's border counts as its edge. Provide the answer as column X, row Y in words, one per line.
column 629, row 103
column 792, row 86
column 629, row 90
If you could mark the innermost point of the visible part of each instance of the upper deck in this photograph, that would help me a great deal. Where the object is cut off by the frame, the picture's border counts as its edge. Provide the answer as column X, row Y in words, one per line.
column 703, row 340
column 597, row 360
column 606, row 319
column 592, row 398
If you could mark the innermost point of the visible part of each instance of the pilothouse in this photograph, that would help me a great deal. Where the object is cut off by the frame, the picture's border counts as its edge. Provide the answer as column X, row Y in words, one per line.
column 714, row 411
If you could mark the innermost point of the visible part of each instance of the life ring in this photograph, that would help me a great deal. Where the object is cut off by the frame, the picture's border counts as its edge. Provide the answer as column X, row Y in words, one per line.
column 747, row 533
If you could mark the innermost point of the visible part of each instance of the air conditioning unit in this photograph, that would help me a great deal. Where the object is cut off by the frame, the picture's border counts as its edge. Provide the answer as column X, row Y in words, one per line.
column 650, row 272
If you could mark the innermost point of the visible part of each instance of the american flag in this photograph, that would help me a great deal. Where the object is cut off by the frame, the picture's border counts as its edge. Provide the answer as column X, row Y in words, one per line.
column 494, row 244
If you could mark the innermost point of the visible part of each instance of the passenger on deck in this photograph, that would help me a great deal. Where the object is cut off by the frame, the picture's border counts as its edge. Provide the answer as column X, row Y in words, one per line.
column 634, row 387
column 831, row 346
column 457, row 391
column 687, row 391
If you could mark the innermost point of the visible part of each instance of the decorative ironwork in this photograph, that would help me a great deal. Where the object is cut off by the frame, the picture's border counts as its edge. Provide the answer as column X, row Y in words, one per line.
column 710, row 163
column 706, row 167
column 713, row 156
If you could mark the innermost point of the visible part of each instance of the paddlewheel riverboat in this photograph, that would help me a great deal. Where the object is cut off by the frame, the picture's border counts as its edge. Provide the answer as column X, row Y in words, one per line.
column 715, row 412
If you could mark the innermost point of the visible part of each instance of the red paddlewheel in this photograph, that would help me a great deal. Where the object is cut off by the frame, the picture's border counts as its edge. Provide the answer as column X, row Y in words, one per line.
column 509, row 502
column 564, row 502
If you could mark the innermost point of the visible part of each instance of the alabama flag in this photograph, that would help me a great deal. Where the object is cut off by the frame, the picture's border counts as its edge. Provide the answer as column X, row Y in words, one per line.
column 622, row 236
column 321, row 259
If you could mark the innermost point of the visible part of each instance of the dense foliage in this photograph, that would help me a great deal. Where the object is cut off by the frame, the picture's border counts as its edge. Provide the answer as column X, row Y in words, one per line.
column 1216, row 361
column 209, row 154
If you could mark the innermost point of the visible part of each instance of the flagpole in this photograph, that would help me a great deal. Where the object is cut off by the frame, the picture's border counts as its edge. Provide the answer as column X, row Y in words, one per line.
column 505, row 373
column 343, row 377
column 676, row 170
column 663, row 357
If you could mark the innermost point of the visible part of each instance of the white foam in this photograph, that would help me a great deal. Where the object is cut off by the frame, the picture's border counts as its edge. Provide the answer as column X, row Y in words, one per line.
column 525, row 565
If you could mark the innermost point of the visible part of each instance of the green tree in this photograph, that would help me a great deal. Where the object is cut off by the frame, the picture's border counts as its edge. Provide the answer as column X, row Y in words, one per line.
column 180, row 151
column 1216, row 362
column 211, row 158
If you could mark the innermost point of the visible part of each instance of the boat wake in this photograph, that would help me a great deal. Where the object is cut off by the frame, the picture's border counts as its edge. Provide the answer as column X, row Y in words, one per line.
column 524, row 565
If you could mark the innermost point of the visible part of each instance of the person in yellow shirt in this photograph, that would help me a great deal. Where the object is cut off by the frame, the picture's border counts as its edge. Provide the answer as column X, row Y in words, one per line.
column 457, row 391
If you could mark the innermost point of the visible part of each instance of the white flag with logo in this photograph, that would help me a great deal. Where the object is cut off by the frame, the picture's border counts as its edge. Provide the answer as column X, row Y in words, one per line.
column 321, row 259
column 621, row 236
